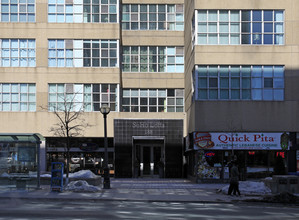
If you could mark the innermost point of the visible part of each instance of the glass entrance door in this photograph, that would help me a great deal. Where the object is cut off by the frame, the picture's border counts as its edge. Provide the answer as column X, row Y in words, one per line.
column 150, row 157
column 147, row 161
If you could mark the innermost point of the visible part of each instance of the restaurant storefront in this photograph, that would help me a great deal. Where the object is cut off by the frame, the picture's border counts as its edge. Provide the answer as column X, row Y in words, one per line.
column 258, row 155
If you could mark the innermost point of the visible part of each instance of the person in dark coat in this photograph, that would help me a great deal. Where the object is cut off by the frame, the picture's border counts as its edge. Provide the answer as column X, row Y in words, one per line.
column 234, row 180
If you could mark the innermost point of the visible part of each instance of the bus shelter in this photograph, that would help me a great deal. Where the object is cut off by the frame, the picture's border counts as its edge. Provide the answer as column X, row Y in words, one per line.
column 19, row 160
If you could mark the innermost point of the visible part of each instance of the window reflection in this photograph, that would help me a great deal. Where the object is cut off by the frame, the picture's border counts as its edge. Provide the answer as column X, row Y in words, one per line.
column 240, row 83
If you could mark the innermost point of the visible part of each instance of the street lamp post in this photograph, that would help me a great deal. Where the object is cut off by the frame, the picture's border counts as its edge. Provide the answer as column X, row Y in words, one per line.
column 105, row 109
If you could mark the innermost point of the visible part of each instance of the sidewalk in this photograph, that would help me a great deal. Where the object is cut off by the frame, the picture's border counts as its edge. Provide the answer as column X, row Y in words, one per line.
column 162, row 190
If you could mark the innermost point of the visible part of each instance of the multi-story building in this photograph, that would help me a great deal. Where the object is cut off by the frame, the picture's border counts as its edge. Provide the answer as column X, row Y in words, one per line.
column 167, row 69
column 126, row 54
column 240, row 85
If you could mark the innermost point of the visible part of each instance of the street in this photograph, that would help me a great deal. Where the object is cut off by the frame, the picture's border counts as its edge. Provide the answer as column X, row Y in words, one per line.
column 91, row 209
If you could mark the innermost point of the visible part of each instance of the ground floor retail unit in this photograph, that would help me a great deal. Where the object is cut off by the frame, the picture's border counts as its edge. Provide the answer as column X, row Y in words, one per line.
column 157, row 148
column 257, row 154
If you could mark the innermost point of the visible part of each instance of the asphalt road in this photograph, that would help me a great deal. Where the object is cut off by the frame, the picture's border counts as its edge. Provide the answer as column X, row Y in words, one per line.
column 42, row 209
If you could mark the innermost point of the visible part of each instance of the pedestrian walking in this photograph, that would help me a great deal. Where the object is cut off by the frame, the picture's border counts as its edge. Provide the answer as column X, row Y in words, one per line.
column 234, row 180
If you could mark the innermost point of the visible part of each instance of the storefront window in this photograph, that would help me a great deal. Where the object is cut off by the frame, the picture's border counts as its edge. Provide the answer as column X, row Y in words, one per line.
column 85, row 154
column 209, row 166
column 18, row 158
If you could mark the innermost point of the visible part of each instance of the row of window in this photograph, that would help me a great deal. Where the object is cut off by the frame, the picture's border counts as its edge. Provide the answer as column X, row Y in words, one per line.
column 93, row 53
column 153, row 100
column 90, row 97
column 210, row 83
column 234, row 27
column 239, row 83
column 134, row 17
column 79, row 11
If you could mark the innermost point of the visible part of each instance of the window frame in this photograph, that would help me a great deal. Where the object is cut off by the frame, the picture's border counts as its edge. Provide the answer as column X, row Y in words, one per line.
column 19, row 14
column 17, row 97
column 17, row 52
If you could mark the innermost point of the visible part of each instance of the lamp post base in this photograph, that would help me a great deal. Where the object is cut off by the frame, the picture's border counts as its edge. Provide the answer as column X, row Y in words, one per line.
column 106, row 182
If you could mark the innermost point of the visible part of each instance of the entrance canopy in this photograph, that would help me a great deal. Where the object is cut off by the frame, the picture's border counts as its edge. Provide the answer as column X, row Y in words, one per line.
column 20, row 137
column 19, row 159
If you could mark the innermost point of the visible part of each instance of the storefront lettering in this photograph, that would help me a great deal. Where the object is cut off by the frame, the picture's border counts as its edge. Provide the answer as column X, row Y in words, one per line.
column 224, row 138
column 152, row 124
column 238, row 141
column 263, row 138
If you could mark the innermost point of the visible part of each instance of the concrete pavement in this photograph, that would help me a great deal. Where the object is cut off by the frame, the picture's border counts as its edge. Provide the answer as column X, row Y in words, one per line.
column 171, row 190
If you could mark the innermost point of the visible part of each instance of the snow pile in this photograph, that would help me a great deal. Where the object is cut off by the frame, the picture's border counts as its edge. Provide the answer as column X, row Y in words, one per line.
column 81, row 186
column 82, row 174
column 5, row 174
column 250, row 188
column 46, row 175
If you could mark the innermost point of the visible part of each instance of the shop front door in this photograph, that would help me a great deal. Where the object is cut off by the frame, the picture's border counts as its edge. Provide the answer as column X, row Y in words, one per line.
column 150, row 156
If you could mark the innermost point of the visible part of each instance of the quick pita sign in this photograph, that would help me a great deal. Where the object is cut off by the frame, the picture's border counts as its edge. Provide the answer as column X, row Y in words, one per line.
column 237, row 141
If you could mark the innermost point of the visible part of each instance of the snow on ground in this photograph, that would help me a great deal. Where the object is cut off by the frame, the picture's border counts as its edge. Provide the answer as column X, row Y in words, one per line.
column 250, row 188
column 81, row 186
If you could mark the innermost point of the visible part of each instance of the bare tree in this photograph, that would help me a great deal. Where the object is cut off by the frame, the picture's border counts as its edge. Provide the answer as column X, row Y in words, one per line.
column 71, row 123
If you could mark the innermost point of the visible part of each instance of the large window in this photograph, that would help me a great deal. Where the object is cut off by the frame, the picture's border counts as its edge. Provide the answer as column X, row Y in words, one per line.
column 153, row 100
column 83, row 11
column 153, row 59
column 17, row 10
column 17, row 97
column 234, row 27
column 239, row 83
column 153, row 17
column 17, row 53
column 83, row 97
column 83, row 53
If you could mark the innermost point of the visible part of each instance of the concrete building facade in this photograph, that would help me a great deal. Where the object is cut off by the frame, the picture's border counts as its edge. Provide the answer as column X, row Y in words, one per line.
column 240, row 82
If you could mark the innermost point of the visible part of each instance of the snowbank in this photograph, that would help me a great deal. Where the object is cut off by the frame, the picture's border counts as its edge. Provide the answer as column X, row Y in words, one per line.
column 82, row 174
column 250, row 188
column 81, row 186
column 5, row 175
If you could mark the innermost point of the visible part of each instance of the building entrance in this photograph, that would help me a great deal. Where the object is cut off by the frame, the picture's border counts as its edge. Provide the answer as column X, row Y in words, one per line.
column 149, row 159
